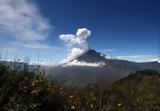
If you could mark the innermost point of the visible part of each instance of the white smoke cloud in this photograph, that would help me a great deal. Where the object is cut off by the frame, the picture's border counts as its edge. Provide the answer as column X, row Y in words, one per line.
column 83, row 34
column 80, row 37
column 78, row 42
column 70, row 38
column 75, row 52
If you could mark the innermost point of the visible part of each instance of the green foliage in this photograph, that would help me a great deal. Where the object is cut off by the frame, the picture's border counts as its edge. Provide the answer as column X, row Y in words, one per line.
column 141, row 90
column 27, row 91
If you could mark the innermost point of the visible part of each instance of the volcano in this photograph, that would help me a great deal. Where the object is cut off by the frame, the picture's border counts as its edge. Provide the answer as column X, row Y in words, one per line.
column 95, row 67
column 89, row 58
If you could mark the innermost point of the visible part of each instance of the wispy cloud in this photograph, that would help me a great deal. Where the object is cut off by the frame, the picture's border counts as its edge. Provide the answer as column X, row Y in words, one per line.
column 139, row 58
column 24, row 30
column 107, row 50
column 37, row 46
column 21, row 20
column 46, row 54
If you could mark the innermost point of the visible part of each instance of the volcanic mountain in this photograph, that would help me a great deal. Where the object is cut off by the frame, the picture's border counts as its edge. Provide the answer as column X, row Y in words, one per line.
column 95, row 67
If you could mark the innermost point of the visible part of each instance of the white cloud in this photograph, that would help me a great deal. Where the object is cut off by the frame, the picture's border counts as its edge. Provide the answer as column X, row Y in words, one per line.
column 24, row 31
column 37, row 46
column 107, row 50
column 139, row 58
column 22, row 21
column 47, row 54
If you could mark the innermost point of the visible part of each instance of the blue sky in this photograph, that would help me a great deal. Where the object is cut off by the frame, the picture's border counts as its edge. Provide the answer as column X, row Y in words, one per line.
column 127, row 29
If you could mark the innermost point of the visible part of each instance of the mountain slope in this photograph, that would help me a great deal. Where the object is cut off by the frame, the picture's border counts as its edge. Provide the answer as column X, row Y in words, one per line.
column 93, row 67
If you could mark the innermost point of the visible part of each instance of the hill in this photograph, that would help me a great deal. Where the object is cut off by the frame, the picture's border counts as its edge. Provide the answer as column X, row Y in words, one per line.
column 34, row 91
column 139, row 91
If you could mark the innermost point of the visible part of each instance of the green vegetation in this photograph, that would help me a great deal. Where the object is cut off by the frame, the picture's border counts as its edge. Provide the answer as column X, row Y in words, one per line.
column 28, row 91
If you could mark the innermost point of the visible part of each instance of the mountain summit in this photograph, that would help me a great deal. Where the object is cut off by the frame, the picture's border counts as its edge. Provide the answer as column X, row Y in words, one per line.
column 89, row 58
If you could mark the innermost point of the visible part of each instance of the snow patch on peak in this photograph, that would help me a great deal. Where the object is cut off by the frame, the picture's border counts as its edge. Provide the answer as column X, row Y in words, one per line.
column 102, row 55
column 82, row 63
column 109, row 57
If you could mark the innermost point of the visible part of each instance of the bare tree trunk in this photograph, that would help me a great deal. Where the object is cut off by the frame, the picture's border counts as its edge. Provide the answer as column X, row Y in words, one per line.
column 100, row 100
